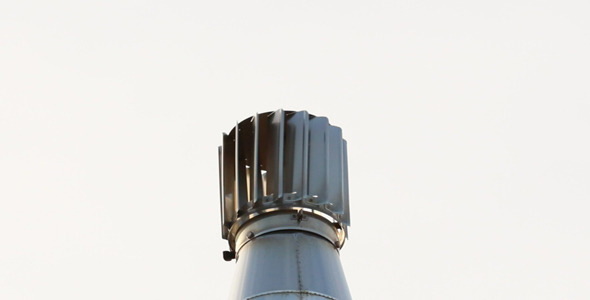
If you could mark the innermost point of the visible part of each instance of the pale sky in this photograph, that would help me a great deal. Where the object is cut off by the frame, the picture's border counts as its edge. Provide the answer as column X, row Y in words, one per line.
column 467, row 125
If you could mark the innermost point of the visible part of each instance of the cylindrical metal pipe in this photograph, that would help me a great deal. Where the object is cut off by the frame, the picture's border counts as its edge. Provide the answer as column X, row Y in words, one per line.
column 289, row 265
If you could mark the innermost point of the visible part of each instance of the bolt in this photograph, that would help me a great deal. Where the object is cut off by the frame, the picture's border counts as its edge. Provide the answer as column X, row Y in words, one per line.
column 299, row 216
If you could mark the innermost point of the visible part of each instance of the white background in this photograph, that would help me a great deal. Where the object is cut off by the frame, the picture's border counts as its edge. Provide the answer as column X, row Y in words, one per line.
column 467, row 123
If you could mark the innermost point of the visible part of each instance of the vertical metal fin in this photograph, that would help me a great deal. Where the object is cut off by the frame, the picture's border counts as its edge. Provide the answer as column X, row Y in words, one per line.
column 221, row 192
column 241, row 189
column 228, row 149
column 334, row 169
column 246, row 151
column 255, row 164
column 346, row 214
column 271, row 151
column 305, row 162
column 265, row 149
column 294, row 153
column 281, row 153
column 318, row 155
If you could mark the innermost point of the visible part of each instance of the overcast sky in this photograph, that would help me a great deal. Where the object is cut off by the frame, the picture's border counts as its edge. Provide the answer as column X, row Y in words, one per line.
column 467, row 124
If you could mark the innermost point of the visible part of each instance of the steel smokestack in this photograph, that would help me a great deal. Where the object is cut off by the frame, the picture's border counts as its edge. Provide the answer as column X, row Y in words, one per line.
column 284, row 206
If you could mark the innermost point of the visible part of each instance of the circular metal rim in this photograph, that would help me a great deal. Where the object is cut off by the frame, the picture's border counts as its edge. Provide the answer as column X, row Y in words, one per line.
column 323, row 225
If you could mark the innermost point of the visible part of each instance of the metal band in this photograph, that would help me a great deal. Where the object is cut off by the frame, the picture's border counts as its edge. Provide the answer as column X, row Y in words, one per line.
column 290, row 219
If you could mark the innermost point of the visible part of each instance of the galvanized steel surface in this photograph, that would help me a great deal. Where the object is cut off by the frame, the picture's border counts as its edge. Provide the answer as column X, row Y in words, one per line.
column 289, row 265
column 283, row 159
column 284, row 220
column 291, row 295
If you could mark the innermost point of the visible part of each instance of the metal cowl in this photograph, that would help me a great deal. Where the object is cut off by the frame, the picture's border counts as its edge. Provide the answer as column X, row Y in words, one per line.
column 283, row 160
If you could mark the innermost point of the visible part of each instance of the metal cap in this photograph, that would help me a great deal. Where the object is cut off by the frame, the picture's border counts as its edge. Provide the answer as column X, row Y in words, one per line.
column 283, row 160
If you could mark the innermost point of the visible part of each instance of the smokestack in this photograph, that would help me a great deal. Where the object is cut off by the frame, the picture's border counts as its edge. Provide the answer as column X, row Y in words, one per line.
column 284, row 206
